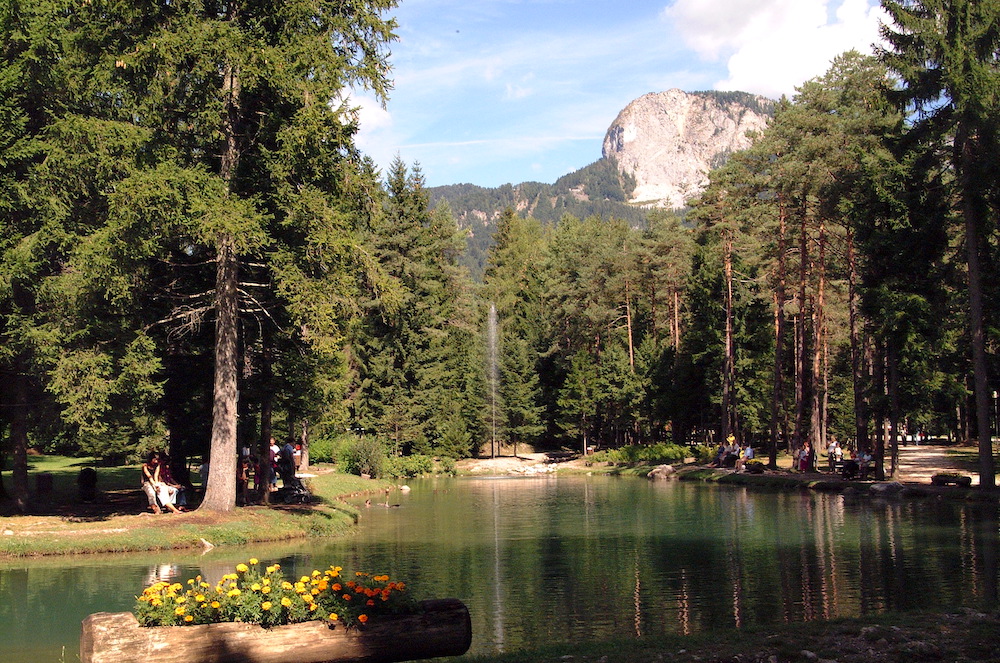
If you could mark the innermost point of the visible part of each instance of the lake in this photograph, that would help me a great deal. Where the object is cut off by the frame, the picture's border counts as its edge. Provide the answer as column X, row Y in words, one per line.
column 570, row 558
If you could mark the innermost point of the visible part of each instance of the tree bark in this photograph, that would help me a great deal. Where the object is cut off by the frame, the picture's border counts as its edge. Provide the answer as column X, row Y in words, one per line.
column 728, row 360
column 221, row 492
column 966, row 147
column 20, row 487
column 779, row 338
column 860, row 404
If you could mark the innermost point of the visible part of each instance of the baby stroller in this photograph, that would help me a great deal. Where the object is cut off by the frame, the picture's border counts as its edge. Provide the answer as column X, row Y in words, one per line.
column 292, row 490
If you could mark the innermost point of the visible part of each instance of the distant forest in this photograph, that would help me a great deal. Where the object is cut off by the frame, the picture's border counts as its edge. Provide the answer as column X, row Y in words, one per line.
column 595, row 190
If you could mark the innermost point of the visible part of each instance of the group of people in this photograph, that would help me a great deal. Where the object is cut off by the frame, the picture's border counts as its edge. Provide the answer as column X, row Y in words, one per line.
column 263, row 472
column 733, row 455
column 165, row 493
column 161, row 489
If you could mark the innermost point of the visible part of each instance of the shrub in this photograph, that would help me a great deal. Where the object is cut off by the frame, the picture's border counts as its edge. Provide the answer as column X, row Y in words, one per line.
column 448, row 466
column 408, row 466
column 364, row 455
column 634, row 454
column 703, row 453
column 321, row 450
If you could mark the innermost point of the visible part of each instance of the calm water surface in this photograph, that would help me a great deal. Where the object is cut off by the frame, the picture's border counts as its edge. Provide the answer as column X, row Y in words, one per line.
column 562, row 559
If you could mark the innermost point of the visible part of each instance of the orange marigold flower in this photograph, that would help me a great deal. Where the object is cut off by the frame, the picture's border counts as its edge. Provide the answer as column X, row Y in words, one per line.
column 369, row 602
column 216, row 604
column 362, row 618
column 346, row 597
column 188, row 618
column 337, row 587
column 332, row 617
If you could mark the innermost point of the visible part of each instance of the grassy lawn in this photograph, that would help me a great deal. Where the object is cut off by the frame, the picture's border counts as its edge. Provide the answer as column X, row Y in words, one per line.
column 119, row 520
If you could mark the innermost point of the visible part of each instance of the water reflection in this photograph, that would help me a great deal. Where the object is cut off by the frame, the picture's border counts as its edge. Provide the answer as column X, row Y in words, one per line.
column 563, row 559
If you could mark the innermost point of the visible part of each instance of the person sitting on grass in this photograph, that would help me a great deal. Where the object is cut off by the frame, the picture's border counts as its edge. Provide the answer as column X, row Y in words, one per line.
column 156, row 491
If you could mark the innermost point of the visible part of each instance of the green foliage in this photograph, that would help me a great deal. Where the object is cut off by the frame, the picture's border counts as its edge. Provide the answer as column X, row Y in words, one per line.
column 405, row 467
column 633, row 454
column 322, row 450
column 363, row 455
column 704, row 453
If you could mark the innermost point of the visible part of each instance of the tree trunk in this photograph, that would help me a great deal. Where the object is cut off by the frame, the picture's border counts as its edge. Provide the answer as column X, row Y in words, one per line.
column 816, row 429
column 221, row 492
column 894, row 411
column 628, row 322
column 728, row 360
column 20, row 487
column 778, row 385
column 860, row 405
column 966, row 145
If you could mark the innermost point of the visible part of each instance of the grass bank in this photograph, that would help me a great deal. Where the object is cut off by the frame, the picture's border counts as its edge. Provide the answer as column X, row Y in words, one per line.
column 119, row 522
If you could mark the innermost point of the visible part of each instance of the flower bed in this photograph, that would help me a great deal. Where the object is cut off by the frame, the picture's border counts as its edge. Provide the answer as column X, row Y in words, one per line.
column 256, row 614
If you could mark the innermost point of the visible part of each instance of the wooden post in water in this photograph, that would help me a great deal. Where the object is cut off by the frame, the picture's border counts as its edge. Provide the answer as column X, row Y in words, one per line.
column 442, row 628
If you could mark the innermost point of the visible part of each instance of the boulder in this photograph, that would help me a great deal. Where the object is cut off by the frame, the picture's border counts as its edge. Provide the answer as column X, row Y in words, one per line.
column 661, row 472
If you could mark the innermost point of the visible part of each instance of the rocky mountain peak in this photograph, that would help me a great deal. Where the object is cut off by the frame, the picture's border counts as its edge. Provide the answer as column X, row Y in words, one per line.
column 669, row 141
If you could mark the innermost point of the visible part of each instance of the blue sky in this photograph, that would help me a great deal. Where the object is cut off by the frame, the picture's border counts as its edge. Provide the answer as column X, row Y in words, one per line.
column 504, row 91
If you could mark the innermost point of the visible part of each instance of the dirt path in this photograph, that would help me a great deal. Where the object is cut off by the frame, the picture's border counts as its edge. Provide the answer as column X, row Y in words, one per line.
column 918, row 463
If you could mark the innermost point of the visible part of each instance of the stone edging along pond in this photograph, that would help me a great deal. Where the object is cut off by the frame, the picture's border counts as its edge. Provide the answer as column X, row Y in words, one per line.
column 831, row 483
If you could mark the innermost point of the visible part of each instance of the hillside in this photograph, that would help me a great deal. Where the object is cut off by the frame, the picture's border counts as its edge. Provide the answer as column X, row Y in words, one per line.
column 656, row 154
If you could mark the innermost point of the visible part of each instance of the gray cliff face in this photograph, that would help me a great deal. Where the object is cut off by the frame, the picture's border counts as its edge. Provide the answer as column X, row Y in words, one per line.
column 669, row 141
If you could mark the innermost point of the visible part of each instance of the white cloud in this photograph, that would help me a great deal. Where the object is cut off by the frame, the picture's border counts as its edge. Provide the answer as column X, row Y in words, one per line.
column 772, row 46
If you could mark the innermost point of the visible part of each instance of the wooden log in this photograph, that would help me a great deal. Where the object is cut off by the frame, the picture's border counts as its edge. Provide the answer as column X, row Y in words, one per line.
column 443, row 628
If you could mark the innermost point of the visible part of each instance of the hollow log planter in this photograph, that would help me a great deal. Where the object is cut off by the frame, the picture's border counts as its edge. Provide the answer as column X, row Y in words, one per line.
column 442, row 628
column 946, row 479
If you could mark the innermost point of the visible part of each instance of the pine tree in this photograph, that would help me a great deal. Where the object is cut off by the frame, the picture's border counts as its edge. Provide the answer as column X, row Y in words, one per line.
column 945, row 53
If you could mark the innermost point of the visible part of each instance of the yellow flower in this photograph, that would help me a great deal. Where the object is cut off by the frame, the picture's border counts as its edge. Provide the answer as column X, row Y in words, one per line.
column 304, row 579
column 176, row 587
column 179, row 610
column 332, row 617
column 287, row 602
column 242, row 568
column 266, row 589
column 234, row 593
column 315, row 573
column 253, row 560
column 272, row 569
column 188, row 618
column 286, row 585
column 255, row 587
column 216, row 604
column 200, row 598
column 180, row 599
column 266, row 605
